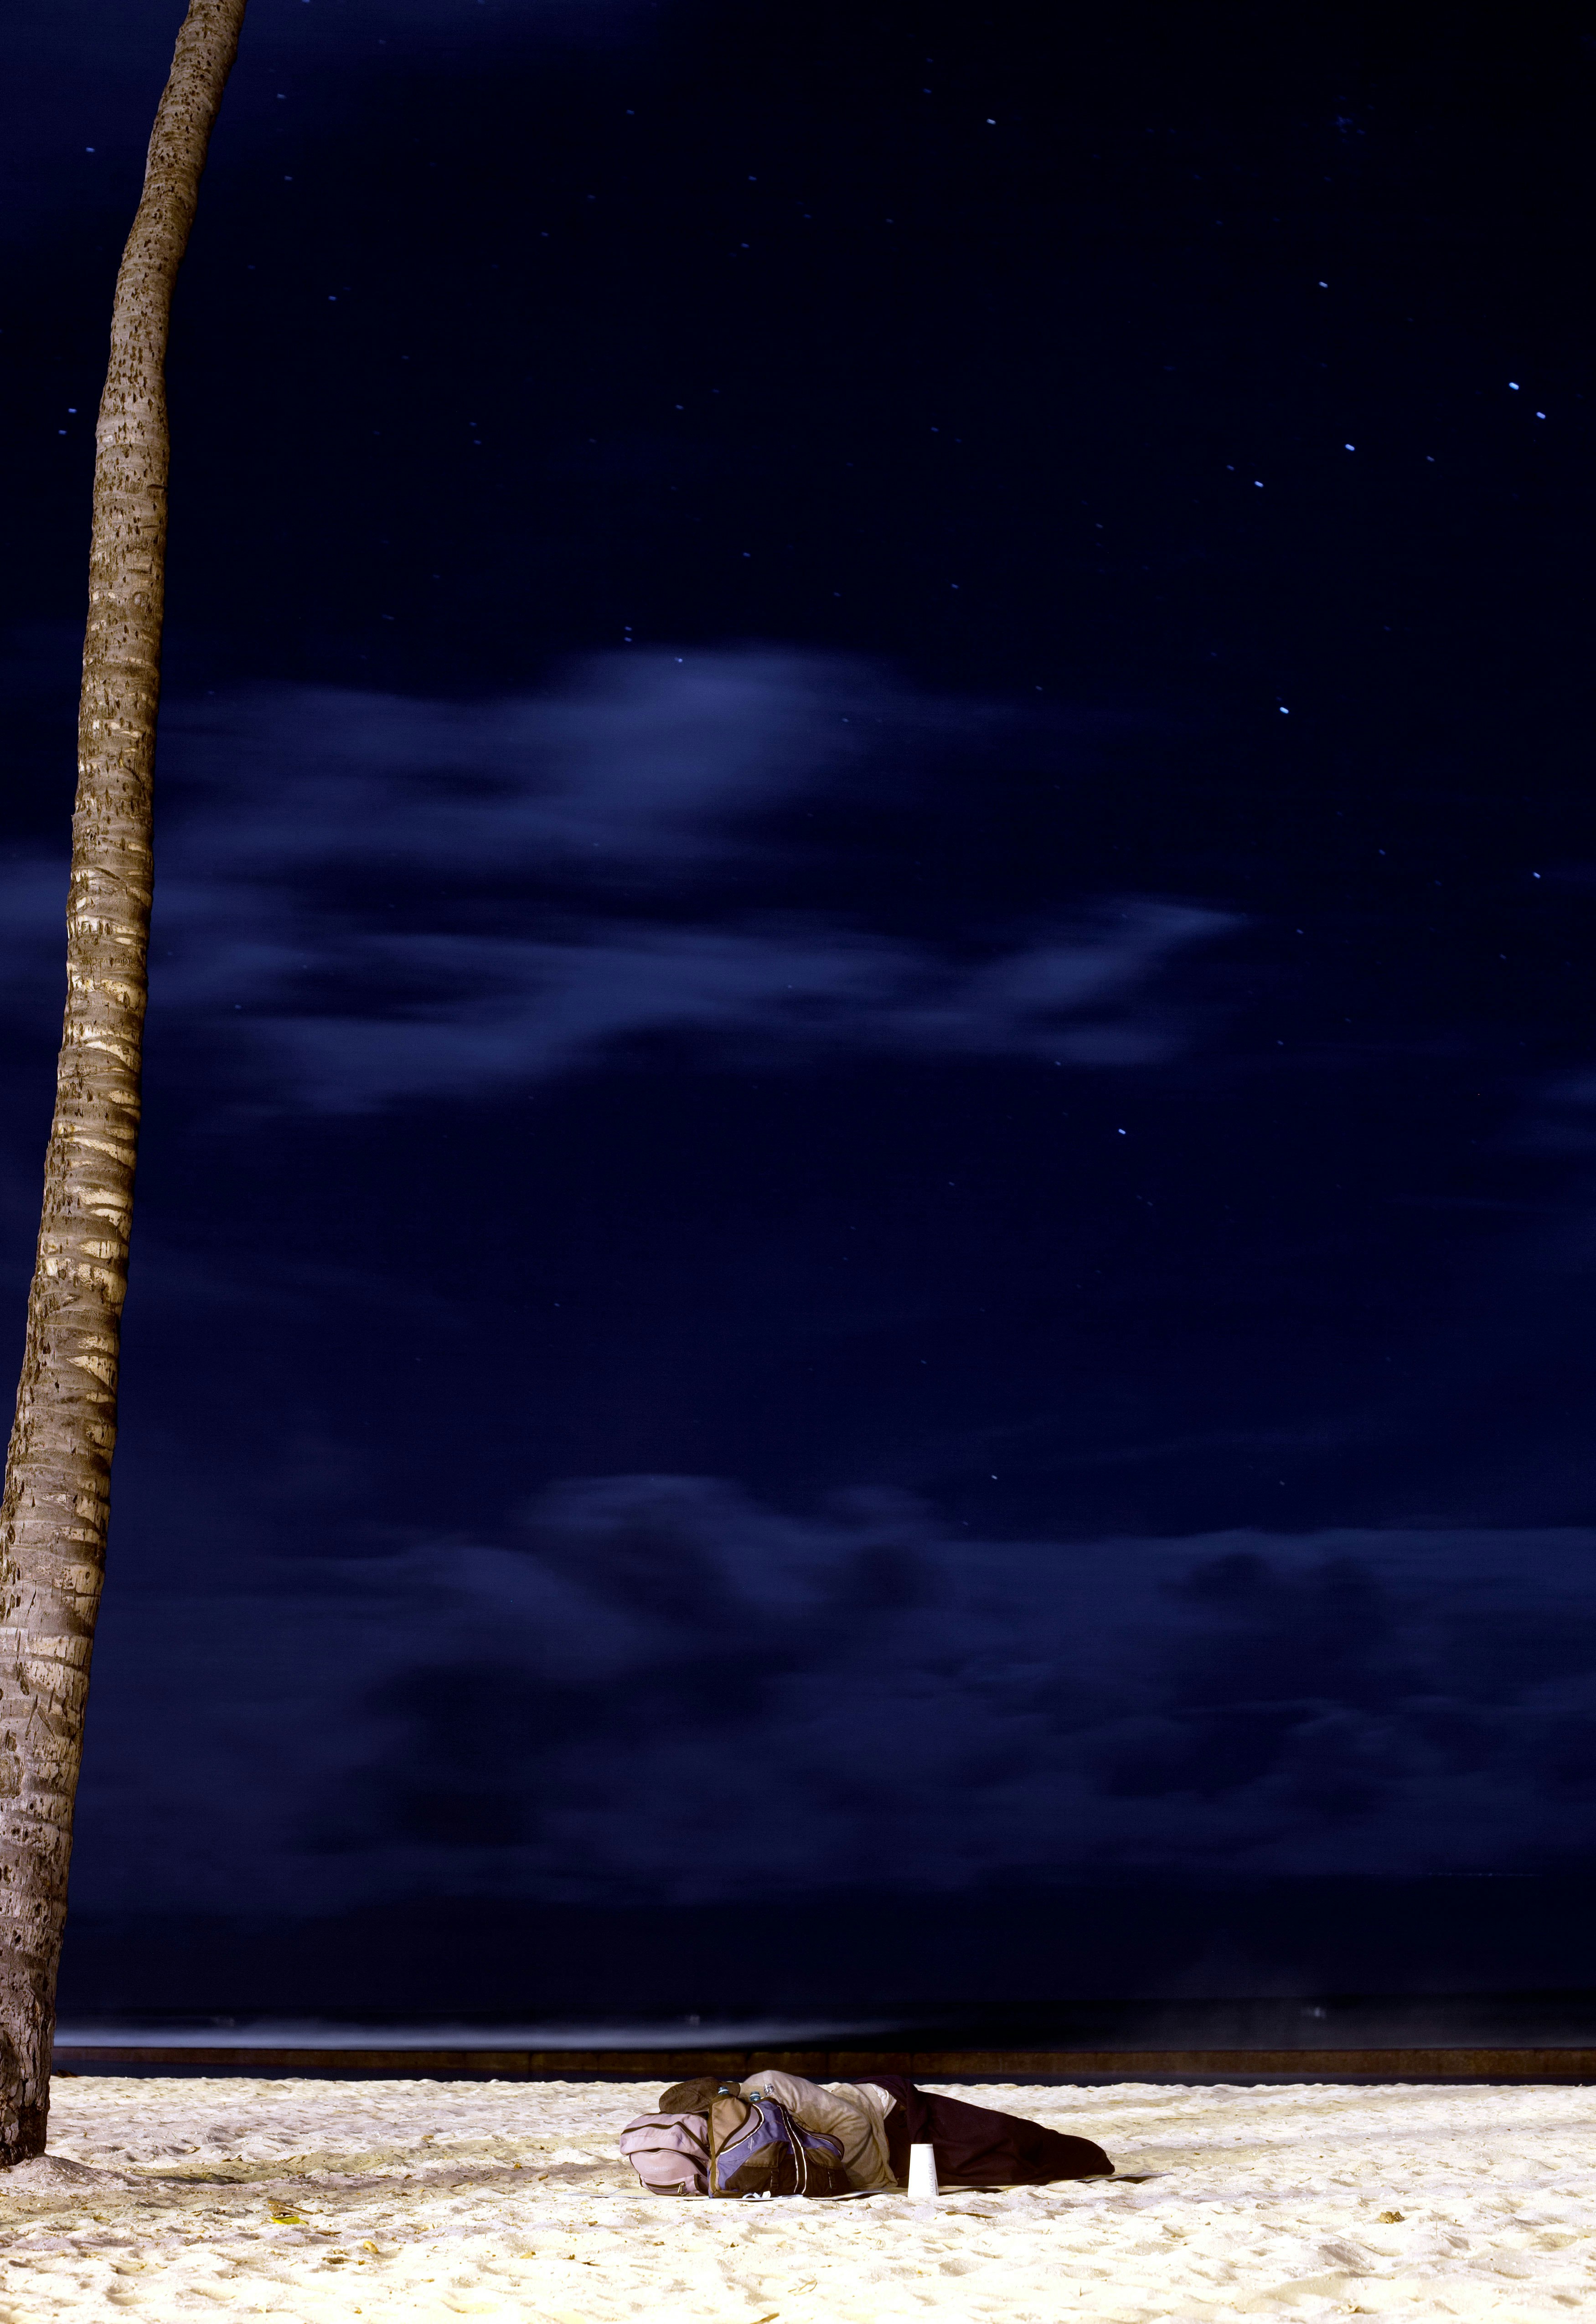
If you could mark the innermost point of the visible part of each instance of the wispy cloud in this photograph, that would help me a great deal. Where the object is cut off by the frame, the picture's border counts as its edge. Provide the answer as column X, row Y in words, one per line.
column 362, row 897
column 656, row 762
column 499, row 1012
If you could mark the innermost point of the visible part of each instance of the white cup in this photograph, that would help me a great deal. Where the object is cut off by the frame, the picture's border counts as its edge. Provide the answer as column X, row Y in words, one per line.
column 922, row 2174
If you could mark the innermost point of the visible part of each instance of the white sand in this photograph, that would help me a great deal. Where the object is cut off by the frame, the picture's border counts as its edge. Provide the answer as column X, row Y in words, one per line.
column 450, row 2199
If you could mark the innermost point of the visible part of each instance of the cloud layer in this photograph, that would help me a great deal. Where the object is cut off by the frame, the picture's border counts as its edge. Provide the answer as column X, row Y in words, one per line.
column 923, row 1710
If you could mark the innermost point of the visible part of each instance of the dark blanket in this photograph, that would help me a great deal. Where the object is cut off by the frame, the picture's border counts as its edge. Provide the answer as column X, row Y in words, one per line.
column 976, row 2146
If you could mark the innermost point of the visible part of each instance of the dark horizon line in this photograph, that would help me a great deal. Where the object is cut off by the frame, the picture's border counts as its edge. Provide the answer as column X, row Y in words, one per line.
column 1433, row 2063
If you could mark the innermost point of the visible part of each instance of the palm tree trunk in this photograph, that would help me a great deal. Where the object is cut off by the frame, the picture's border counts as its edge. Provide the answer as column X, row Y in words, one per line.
column 58, row 1472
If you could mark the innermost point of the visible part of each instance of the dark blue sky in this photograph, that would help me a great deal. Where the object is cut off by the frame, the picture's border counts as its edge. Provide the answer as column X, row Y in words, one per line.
column 870, row 1082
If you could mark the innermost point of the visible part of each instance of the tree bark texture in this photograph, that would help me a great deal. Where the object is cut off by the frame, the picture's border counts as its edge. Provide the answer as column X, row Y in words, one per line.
column 57, row 1474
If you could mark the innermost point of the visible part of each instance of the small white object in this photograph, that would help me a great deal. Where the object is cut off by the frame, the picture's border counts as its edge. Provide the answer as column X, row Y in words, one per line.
column 922, row 2174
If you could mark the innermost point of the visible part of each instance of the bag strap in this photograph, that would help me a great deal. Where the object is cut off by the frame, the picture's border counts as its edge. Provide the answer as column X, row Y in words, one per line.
column 716, row 2144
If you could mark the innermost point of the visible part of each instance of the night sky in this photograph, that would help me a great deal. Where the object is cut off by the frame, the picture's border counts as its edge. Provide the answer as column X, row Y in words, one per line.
column 868, row 1191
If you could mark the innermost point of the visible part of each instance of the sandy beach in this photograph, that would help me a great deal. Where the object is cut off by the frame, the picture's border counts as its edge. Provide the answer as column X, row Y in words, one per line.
column 315, row 2199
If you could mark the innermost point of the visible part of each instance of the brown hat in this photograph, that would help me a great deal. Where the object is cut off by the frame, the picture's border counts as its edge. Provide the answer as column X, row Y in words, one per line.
column 697, row 2095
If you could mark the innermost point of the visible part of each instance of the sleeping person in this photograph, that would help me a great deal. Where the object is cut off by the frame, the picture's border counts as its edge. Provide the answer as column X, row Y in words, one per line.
column 876, row 2121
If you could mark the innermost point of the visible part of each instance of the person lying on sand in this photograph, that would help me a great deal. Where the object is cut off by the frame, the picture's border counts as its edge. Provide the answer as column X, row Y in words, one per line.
column 876, row 2123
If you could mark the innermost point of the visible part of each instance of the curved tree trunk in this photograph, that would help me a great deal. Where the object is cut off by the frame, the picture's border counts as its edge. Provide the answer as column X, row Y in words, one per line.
column 57, row 1476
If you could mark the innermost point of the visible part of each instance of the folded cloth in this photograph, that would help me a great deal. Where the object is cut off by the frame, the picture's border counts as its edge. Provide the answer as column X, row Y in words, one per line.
column 977, row 2146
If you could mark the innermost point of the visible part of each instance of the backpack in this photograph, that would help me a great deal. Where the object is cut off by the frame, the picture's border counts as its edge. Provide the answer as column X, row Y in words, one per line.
column 669, row 2153
column 757, row 2148
column 742, row 2146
